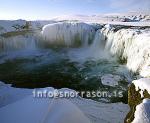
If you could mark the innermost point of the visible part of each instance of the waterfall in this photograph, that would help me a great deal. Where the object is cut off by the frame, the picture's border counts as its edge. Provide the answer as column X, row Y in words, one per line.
column 132, row 45
column 99, row 41
column 17, row 42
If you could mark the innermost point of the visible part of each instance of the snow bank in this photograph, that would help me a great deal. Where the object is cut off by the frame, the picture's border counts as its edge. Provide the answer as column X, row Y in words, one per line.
column 142, row 85
column 30, row 109
column 69, row 34
column 9, row 94
column 132, row 45
column 99, row 112
column 34, row 110
column 142, row 113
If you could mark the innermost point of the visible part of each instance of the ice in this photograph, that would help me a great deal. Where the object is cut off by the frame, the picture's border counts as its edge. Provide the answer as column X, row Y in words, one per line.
column 110, row 80
column 69, row 34
column 132, row 45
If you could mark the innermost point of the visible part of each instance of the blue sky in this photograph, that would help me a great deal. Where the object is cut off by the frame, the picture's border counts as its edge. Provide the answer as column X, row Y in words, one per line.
column 46, row 9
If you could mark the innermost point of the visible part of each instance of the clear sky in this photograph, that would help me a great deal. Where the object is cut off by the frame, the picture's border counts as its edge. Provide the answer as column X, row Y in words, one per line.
column 46, row 9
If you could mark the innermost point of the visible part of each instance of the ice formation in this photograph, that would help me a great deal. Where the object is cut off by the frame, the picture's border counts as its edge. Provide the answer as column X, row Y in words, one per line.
column 132, row 45
column 69, row 34
column 18, row 42
column 110, row 80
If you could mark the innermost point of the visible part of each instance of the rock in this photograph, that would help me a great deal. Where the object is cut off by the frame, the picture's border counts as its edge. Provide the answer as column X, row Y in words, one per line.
column 136, row 95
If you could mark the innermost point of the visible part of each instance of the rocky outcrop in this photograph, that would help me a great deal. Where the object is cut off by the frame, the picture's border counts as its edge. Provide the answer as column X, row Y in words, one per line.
column 136, row 94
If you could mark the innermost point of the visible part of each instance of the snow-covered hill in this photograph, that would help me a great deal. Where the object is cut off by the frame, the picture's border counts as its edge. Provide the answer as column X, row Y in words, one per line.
column 109, row 18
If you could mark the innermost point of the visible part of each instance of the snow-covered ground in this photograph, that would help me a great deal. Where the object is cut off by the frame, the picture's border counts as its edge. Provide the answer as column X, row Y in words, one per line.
column 20, row 25
column 20, row 106
column 8, row 26
column 128, row 19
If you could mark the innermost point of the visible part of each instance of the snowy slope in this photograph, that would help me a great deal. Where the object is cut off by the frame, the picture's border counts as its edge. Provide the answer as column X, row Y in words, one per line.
column 9, row 95
column 29, row 109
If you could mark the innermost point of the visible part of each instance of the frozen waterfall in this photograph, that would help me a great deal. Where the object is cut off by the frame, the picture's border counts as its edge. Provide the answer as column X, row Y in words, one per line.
column 70, row 34
column 132, row 45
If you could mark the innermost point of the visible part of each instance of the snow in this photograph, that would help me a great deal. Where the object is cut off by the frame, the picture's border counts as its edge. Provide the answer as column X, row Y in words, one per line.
column 68, row 33
column 142, row 113
column 7, row 25
column 99, row 112
column 110, row 80
column 39, row 24
column 128, row 19
column 9, row 95
column 30, row 109
column 142, row 85
column 108, row 26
